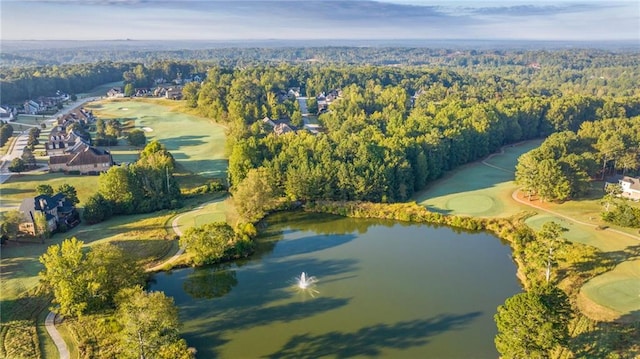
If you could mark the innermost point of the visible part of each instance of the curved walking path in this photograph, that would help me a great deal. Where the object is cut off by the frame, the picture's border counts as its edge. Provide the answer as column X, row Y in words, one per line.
column 176, row 228
column 50, row 324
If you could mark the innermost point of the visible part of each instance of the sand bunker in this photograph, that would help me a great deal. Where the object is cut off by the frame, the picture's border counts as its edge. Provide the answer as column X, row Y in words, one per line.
column 147, row 129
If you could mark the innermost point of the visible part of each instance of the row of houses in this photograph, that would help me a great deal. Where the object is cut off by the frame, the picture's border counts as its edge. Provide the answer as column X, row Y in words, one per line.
column 70, row 151
column 172, row 93
column 44, row 103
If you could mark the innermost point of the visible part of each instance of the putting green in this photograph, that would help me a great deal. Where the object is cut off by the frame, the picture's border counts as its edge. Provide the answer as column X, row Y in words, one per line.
column 618, row 289
column 471, row 204
column 209, row 213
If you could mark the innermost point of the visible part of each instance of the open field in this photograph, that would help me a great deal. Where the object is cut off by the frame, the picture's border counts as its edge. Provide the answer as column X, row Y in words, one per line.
column 489, row 194
column 18, row 187
column 197, row 144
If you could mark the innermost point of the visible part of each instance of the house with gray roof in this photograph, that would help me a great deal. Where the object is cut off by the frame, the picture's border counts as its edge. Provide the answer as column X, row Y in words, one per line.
column 56, row 209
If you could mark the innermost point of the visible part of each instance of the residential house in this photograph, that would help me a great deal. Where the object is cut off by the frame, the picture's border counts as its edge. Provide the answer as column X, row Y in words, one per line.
column 56, row 209
column 61, row 141
column 141, row 92
column 7, row 113
column 294, row 92
column 80, row 115
column 81, row 158
column 115, row 92
column 325, row 99
column 630, row 186
column 279, row 126
column 173, row 93
column 31, row 107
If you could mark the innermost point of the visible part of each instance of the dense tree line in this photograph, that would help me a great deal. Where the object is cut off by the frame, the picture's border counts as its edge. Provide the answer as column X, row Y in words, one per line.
column 30, row 73
column 144, row 186
column 6, row 131
column 18, row 84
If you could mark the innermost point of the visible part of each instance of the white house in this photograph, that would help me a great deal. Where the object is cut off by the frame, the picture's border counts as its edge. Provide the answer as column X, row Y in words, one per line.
column 630, row 187
column 31, row 107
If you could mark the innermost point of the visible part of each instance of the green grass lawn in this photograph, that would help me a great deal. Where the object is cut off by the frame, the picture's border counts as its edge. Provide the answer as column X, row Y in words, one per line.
column 618, row 289
column 21, row 186
column 485, row 190
column 196, row 143
column 214, row 211
column 31, row 120
column 476, row 189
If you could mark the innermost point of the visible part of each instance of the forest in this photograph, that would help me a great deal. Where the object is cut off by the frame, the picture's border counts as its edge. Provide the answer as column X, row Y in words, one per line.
column 32, row 72
column 392, row 130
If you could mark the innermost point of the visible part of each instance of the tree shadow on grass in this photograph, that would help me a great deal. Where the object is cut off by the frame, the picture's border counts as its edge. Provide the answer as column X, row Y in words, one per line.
column 176, row 143
column 145, row 250
column 14, row 191
column 23, row 267
column 370, row 341
column 610, row 339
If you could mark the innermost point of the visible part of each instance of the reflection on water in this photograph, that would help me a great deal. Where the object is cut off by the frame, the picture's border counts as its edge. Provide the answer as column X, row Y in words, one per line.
column 383, row 289
column 209, row 282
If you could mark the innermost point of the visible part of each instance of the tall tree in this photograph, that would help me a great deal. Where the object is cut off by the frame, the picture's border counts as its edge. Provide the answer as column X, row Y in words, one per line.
column 44, row 189
column 41, row 226
column 11, row 222
column 17, row 165
column 28, row 157
column 64, row 272
column 533, row 324
column 83, row 282
column 549, row 235
column 69, row 193
column 136, row 138
column 149, row 325
column 208, row 243
column 255, row 195
column 109, row 269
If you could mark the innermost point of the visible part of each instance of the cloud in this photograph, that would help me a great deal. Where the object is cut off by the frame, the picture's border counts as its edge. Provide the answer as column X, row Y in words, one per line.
column 540, row 10
column 331, row 19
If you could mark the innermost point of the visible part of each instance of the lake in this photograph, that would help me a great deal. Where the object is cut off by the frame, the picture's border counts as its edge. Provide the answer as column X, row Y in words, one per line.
column 384, row 289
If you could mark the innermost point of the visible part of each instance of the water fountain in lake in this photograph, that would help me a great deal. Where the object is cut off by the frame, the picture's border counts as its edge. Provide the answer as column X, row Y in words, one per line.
column 306, row 284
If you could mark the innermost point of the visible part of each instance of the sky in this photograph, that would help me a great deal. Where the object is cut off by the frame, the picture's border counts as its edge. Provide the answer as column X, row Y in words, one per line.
column 586, row 20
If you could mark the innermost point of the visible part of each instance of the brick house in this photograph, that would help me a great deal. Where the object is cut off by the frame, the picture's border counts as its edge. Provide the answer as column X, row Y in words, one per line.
column 83, row 158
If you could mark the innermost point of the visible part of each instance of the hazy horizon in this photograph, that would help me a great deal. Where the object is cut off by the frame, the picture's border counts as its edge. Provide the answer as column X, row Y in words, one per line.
column 222, row 20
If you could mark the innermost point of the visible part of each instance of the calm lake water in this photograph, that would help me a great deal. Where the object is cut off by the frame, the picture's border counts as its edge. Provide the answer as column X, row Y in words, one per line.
column 384, row 289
